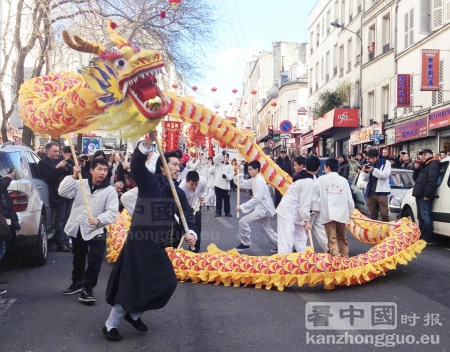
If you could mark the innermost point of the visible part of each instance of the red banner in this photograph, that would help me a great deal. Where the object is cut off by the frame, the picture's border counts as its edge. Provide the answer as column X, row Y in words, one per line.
column 403, row 91
column 171, row 135
column 430, row 70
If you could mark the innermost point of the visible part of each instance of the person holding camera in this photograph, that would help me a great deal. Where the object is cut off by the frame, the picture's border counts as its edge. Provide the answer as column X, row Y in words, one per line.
column 376, row 173
column 224, row 175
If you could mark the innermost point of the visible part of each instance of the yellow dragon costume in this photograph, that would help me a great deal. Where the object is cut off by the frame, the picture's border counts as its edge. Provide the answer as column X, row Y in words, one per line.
column 118, row 90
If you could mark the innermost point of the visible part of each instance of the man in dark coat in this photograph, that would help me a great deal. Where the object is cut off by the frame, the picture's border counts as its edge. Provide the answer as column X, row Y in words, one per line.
column 54, row 168
column 426, row 176
column 285, row 164
column 143, row 277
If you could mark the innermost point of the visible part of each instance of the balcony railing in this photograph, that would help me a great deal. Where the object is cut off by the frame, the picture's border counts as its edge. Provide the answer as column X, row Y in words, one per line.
column 335, row 71
column 317, row 87
column 349, row 66
column 342, row 26
column 311, row 50
column 328, row 31
column 317, row 43
column 386, row 117
column 359, row 8
column 327, row 77
column 341, row 72
column 350, row 18
column 310, row 90
column 371, row 56
column 357, row 59
column 386, row 48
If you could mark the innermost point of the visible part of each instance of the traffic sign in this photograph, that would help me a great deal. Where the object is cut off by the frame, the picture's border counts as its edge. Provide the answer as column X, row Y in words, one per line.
column 286, row 126
column 285, row 135
column 271, row 143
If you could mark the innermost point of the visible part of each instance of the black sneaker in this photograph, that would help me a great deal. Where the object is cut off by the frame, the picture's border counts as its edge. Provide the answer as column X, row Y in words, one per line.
column 112, row 335
column 74, row 288
column 2, row 292
column 137, row 324
column 217, row 215
column 3, row 281
column 207, row 208
column 229, row 215
column 87, row 296
column 241, row 247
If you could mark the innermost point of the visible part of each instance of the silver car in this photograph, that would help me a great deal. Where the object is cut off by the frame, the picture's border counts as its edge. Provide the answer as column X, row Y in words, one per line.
column 30, row 196
column 401, row 181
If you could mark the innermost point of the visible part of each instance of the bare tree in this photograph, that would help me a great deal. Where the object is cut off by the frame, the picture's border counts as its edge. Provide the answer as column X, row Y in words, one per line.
column 182, row 36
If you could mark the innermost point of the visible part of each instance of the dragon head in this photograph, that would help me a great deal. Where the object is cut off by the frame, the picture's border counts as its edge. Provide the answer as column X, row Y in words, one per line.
column 125, row 71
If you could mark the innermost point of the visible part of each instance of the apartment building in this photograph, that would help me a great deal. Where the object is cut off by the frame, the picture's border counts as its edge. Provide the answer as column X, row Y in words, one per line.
column 334, row 59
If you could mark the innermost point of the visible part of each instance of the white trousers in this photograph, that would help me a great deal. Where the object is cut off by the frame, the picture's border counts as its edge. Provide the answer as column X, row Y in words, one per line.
column 290, row 235
column 116, row 316
column 318, row 230
column 260, row 217
column 210, row 199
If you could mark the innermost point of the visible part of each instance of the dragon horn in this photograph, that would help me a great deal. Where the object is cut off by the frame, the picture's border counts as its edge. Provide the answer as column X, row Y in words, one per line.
column 115, row 38
column 81, row 45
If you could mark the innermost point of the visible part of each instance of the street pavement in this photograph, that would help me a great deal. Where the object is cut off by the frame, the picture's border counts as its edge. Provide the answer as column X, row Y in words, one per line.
column 35, row 316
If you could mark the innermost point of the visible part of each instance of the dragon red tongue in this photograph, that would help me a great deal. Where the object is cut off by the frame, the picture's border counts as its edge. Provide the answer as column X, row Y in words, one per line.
column 146, row 93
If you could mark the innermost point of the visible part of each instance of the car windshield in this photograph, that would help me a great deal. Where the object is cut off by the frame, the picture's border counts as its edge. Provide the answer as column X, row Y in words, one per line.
column 9, row 162
column 401, row 179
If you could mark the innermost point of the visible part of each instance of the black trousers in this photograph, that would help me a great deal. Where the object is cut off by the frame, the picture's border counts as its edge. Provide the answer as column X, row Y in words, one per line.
column 61, row 209
column 94, row 250
column 198, row 225
column 225, row 195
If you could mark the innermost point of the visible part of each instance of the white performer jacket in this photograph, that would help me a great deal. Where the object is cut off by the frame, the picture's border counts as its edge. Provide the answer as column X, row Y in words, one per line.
column 261, row 197
column 296, row 202
column 222, row 169
column 336, row 202
column 211, row 176
column 193, row 197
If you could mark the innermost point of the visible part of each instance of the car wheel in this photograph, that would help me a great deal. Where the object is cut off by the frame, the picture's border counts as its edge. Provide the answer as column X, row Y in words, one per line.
column 409, row 214
column 37, row 252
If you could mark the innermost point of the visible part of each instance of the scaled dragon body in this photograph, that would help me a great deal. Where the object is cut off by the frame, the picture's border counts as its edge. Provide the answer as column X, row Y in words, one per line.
column 118, row 90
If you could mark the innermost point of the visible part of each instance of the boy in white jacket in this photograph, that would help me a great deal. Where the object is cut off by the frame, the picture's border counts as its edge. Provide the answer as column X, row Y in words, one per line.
column 294, row 209
column 260, row 206
column 88, row 233
column 336, row 206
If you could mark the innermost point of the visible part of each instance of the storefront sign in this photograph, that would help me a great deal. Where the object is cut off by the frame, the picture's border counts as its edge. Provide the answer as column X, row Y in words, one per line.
column 403, row 91
column 430, row 70
column 439, row 118
column 376, row 138
column 302, row 111
column 336, row 118
column 411, row 130
column 363, row 135
column 171, row 135
column 308, row 138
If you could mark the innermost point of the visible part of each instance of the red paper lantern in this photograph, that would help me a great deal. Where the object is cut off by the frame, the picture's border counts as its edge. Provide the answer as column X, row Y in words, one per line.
column 253, row 92
column 274, row 103
column 234, row 91
column 175, row 3
column 174, row 86
column 213, row 89
column 162, row 14
column 217, row 112
column 194, row 88
column 231, row 103
column 245, row 102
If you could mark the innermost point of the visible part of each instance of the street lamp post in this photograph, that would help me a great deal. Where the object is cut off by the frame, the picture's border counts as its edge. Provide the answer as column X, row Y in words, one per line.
column 337, row 25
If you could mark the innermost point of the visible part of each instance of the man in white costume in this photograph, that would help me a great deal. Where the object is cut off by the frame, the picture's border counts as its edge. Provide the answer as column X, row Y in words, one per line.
column 260, row 207
column 195, row 188
column 210, row 200
column 336, row 206
column 294, row 210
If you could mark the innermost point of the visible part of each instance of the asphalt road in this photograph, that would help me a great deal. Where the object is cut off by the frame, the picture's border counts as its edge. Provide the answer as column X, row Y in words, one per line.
column 35, row 316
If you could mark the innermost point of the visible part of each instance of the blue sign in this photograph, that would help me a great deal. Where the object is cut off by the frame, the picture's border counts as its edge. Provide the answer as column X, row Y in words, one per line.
column 286, row 126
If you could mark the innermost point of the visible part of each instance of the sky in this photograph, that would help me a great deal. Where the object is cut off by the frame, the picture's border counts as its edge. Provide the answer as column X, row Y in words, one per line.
column 246, row 28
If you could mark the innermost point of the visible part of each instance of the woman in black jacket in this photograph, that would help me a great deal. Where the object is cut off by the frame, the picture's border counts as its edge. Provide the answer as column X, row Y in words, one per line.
column 344, row 168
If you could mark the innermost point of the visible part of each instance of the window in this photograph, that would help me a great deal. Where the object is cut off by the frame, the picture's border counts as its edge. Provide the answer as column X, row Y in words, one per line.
column 438, row 11
column 335, row 59
column 386, row 32
column 409, row 28
column 341, row 61
column 322, row 68
column 371, row 106
column 358, row 52
column 33, row 166
column 327, row 66
column 437, row 96
column 317, row 76
column 343, row 11
column 328, row 21
column 357, row 97
column 336, row 11
column 385, row 101
column 425, row 22
column 292, row 110
column 349, row 54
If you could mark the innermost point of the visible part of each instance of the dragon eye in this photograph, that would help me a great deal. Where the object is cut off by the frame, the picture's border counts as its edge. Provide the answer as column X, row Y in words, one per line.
column 120, row 64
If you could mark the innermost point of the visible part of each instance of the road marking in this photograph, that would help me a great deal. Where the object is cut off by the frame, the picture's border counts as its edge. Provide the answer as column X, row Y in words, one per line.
column 225, row 223
column 5, row 304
